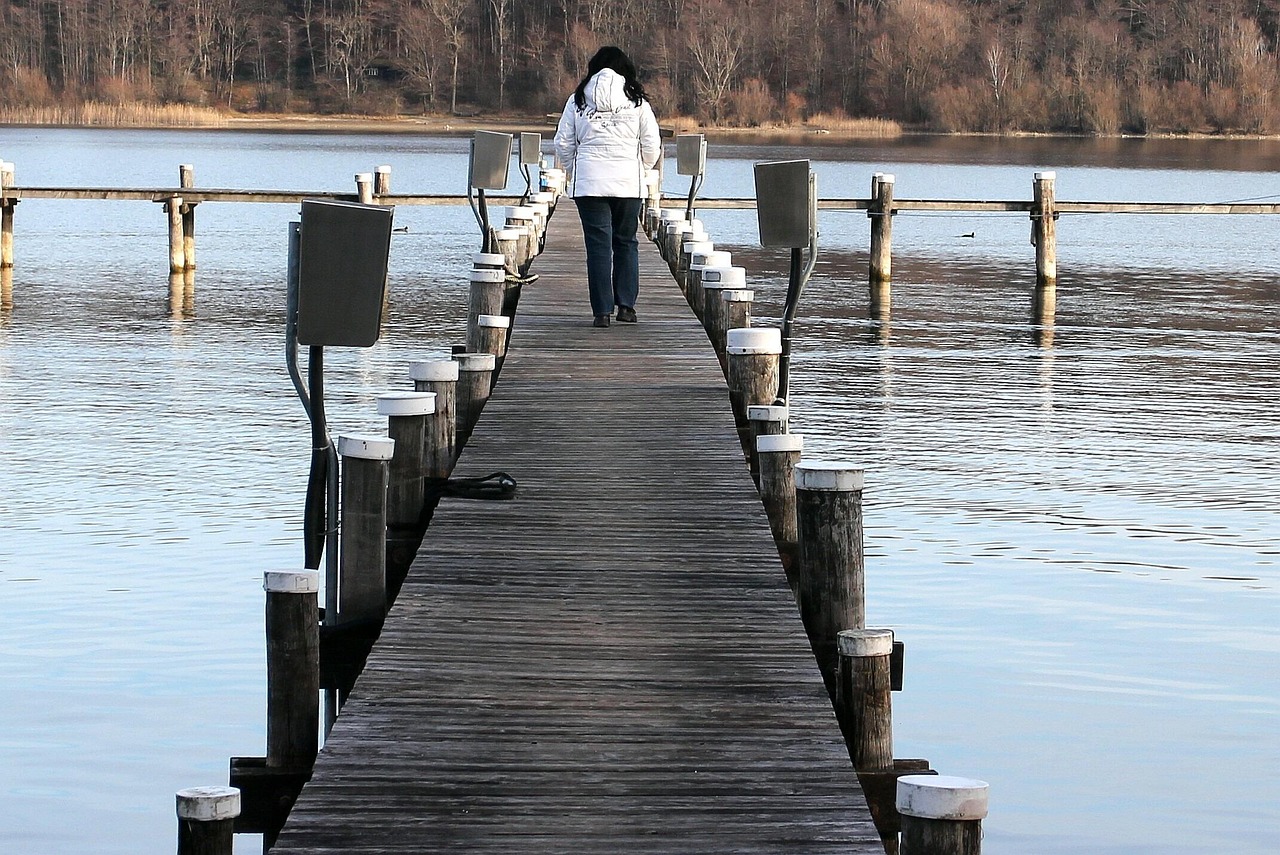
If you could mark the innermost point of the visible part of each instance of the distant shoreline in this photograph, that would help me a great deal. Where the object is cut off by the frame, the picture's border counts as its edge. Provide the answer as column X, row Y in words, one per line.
column 840, row 130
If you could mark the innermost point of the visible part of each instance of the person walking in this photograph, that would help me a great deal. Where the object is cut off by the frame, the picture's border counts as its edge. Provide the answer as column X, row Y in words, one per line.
column 606, row 140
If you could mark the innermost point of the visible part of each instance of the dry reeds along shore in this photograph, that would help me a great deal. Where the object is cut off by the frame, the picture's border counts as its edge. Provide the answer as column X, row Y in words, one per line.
column 138, row 114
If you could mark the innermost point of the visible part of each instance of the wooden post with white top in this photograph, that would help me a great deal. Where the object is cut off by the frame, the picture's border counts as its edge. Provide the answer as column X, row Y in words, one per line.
column 762, row 420
column 362, row 583
column 488, row 292
column 382, row 181
column 830, row 567
column 293, row 668
column 475, row 381
column 407, row 414
column 364, row 187
column 439, row 376
column 881, row 214
column 177, row 251
column 1044, row 230
column 864, row 700
column 206, row 820
column 489, row 335
column 778, row 455
column 753, row 354
column 941, row 814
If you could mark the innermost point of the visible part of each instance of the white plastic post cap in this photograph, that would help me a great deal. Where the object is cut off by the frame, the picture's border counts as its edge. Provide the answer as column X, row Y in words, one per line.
column 543, row 198
column 507, row 234
column 713, row 258
column 519, row 212
column 488, row 259
column 726, row 276
column 771, row 442
column 476, row 361
column 861, row 643
column 670, row 214
column 828, row 475
column 208, row 804
column 541, row 209
column 1046, row 176
column 689, row 247
column 406, row 403
column 486, row 274
column 361, row 177
column 886, row 178
column 942, row 797
column 676, row 227
column 291, row 582
column 737, row 295
column 496, row 321
column 696, row 224
column 366, row 447
column 753, row 340
column 768, row 412
column 435, row 370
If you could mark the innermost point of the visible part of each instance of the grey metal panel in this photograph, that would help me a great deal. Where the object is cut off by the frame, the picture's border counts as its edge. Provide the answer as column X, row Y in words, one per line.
column 342, row 272
column 783, row 204
column 490, row 160
column 691, row 154
column 530, row 149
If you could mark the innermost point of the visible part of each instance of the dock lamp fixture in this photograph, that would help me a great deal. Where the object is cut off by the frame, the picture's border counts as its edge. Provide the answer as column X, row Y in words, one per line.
column 487, row 170
column 787, row 210
column 337, row 279
column 691, row 160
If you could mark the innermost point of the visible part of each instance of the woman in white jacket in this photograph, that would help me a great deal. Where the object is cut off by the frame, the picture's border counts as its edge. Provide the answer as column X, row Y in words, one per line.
column 607, row 140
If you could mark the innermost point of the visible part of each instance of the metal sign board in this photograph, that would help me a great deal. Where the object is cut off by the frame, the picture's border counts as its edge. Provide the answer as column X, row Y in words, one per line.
column 490, row 160
column 342, row 272
column 784, row 203
column 691, row 154
column 530, row 149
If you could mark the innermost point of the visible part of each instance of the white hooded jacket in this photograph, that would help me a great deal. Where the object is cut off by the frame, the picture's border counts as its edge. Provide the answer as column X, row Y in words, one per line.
column 609, row 144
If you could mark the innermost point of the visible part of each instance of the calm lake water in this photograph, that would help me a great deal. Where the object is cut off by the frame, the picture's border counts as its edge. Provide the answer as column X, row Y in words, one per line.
column 1074, row 530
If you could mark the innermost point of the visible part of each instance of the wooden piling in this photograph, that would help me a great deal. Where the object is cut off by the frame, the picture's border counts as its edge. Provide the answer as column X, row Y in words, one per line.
column 407, row 414
column 941, row 814
column 488, row 291
column 293, row 668
column 187, row 180
column 362, row 585
column 754, row 355
column 475, row 380
column 364, row 187
column 521, row 219
column 507, row 242
column 693, row 244
column 778, row 455
column 382, row 181
column 764, row 420
column 829, row 558
column 489, row 335
column 699, row 261
column 737, row 309
column 672, row 239
column 1044, row 231
column 177, row 243
column 864, row 706
column 881, row 214
column 206, row 820
column 439, row 376
column 714, row 280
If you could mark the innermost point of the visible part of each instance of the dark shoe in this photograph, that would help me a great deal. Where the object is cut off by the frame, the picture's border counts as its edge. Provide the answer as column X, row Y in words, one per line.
column 626, row 315
column 600, row 321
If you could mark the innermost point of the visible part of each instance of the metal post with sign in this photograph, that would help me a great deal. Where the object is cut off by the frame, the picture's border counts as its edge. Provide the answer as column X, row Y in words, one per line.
column 691, row 160
column 487, row 170
column 337, row 277
column 530, row 155
column 787, row 212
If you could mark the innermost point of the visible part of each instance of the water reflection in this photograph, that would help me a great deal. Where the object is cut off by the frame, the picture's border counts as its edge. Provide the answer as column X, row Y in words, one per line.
column 182, row 295
column 6, row 290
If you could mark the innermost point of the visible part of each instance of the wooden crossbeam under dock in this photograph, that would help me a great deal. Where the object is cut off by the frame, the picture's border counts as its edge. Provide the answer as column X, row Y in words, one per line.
column 610, row 662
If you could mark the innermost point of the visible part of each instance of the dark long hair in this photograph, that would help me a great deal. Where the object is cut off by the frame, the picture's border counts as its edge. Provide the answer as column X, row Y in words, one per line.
column 614, row 59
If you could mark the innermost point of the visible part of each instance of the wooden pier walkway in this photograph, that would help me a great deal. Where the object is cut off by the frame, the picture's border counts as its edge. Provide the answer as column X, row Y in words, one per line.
column 611, row 662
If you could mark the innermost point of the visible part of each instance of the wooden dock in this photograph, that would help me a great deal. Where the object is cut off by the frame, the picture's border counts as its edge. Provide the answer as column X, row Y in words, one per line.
column 612, row 661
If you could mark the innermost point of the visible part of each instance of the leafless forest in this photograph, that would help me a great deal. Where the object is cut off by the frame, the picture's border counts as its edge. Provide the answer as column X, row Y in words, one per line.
column 1090, row 66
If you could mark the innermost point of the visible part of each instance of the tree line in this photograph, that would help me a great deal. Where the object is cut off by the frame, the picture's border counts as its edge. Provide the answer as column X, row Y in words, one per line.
column 1083, row 66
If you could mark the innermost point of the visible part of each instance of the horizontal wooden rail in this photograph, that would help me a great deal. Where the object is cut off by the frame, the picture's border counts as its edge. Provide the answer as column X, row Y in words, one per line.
column 1017, row 206
column 193, row 196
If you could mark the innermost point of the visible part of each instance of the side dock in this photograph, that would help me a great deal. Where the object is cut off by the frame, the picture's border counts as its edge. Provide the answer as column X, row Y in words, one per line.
column 611, row 661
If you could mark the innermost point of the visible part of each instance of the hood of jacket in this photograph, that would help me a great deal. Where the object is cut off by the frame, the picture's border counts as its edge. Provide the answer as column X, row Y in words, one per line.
column 606, row 91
